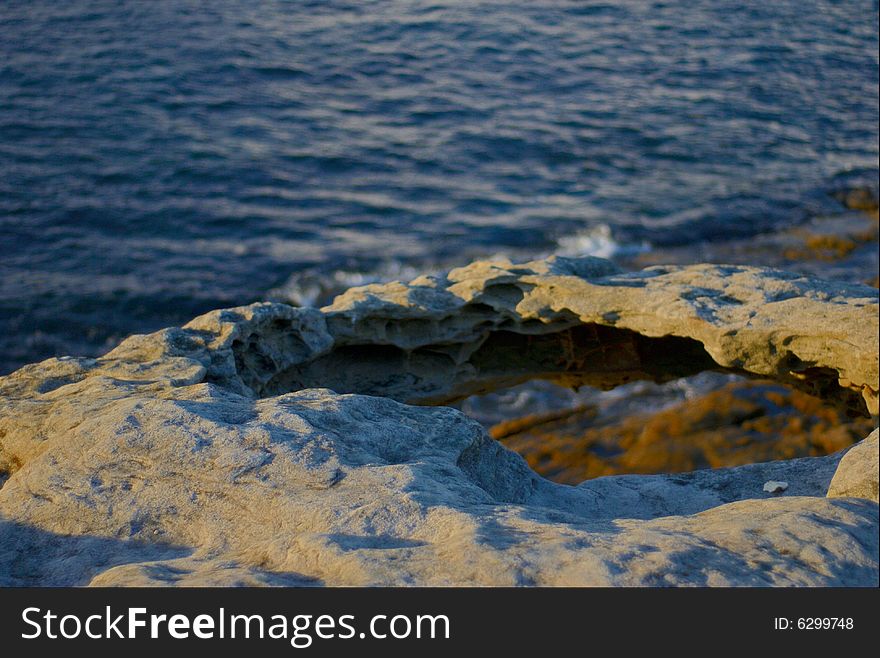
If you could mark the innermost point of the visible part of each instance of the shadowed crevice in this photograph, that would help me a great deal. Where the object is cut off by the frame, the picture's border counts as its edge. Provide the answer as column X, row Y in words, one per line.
column 509, row 354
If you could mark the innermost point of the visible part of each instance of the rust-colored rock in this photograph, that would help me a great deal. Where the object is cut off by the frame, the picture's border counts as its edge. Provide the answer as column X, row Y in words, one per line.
column 742, row 423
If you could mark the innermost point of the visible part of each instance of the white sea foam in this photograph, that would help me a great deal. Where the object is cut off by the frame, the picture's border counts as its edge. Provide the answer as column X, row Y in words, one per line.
column 314, row 287
column 597, row 241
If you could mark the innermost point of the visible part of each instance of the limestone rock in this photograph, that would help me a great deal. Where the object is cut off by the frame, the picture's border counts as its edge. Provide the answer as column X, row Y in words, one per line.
column 492, row 324
column 211, row 487
column 216, row 453
column 858, row 473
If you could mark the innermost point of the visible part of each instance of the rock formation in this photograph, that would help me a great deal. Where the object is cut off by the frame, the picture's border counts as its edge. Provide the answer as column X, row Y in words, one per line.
column 742, row 422
column 217, row 453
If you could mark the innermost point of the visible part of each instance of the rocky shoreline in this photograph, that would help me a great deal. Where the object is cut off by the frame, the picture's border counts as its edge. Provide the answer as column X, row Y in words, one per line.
column 269, row 444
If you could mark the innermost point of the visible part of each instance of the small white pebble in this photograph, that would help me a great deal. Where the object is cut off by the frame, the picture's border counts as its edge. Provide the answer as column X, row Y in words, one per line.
column 773, row 486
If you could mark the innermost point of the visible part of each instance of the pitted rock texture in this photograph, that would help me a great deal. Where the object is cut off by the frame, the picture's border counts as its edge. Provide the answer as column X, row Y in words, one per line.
column 493, row 324
column 212, row 454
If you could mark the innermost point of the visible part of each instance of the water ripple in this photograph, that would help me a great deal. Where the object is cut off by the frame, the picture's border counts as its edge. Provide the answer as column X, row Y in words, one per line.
column 160, row 159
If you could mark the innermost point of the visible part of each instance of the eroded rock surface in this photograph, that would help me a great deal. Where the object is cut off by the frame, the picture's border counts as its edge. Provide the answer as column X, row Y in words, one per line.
column 211, row 487
column 214, row 453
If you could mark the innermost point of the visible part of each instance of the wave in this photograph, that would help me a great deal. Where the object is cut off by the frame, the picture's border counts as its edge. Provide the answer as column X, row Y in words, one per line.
column 316, row 287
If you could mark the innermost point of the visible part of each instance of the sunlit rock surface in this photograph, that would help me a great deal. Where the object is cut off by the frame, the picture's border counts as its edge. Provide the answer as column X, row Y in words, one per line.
column 857, row 474
column 217, row 453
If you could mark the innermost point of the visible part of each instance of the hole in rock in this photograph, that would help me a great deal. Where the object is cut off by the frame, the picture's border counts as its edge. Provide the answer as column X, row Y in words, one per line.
column 669, row 407
column 709, row 420
column 489, row 359
column 440, row 362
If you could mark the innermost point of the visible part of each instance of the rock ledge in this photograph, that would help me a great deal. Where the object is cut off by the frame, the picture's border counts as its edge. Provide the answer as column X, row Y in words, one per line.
column 217, row 453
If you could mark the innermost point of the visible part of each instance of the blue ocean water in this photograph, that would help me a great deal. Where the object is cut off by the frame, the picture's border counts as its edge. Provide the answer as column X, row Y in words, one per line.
column 159, row 159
